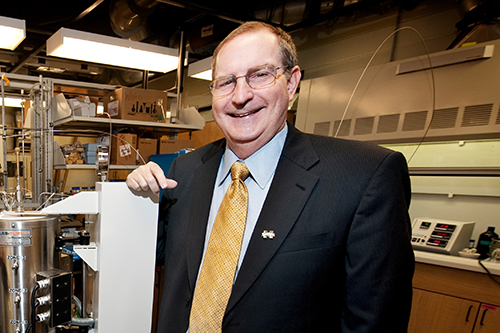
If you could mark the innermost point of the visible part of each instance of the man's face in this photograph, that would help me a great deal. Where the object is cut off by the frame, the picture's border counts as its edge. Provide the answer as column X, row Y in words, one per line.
column 249, row 118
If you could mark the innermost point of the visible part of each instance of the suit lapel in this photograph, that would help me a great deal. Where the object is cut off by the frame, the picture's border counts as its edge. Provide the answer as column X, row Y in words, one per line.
column 289, row 192
column 203, row 186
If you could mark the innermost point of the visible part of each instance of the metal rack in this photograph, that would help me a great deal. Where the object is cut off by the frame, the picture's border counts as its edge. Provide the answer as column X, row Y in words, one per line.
column 41, row 90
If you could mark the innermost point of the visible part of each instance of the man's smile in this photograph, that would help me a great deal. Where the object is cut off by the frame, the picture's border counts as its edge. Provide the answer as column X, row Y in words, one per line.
column 234, row 115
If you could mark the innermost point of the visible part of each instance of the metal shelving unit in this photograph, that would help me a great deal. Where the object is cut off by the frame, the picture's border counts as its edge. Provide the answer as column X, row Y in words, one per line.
column 45, row 128
column 93, row 167
column 76, row 122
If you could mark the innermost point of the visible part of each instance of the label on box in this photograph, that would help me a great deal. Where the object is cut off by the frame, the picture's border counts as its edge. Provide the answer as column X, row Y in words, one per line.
column 125, row 150
column 113, row 108
column 143, row 108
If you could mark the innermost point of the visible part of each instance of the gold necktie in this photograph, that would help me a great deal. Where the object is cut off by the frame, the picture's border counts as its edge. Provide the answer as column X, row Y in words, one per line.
column 221, row 259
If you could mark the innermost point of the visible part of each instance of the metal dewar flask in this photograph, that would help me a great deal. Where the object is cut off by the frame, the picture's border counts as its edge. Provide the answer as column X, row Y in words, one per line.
column 27, row 246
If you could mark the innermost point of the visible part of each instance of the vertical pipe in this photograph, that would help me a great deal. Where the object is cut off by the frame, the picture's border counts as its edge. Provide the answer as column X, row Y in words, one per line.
column 19, row 196
column 395, row 39
column 36, row 154
column 48, row 143
column 180, row 73
column 22, row 148
column 84, row 293
column 4, row 141
column 145, row 75
column 42, row 137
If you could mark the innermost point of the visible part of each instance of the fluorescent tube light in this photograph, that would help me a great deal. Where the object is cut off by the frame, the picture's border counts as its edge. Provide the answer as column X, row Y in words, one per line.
column 12, row 102
column 12, row 32
column 201, row 69
column 444, row 58
column 78, row 45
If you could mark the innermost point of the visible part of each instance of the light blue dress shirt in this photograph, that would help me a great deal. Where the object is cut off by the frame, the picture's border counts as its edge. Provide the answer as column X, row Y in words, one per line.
column 262, row 166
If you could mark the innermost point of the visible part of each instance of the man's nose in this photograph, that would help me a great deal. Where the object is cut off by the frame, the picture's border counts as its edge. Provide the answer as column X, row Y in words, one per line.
column 242, row 91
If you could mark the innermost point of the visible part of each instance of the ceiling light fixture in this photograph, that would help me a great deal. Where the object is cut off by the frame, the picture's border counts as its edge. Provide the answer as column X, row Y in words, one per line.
column 12, row 32
column 201, row 69
column 84, row 46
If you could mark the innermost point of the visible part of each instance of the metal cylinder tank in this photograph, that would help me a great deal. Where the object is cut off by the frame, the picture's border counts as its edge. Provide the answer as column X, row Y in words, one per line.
column 27, row 246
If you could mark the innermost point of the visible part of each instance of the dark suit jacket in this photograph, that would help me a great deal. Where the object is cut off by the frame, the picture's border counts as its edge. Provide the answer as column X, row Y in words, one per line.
column 341, row 260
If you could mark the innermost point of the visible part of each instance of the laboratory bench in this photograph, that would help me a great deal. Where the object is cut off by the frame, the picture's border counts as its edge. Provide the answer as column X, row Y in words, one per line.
column 454, row 294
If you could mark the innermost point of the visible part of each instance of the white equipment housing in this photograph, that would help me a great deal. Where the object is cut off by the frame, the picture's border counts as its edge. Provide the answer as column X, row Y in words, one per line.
column 123, row 254
column 441, row 236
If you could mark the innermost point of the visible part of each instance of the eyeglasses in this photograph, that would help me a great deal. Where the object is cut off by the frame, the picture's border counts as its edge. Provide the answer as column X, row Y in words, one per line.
column 260, row 77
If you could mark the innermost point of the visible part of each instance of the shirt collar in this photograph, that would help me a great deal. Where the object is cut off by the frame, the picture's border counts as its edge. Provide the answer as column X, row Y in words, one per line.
column 261, row 164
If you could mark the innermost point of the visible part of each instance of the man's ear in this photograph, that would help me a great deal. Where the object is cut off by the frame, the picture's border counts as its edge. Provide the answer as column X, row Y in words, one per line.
column 293, row 81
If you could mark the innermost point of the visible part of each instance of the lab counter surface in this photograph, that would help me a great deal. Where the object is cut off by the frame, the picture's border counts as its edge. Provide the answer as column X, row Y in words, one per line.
column 456, row 262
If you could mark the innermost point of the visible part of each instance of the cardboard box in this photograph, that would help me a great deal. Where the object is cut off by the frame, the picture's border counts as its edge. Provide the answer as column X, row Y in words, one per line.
column 135, row 104
column 123, row 147
column 168, row 146
column 115, row 174
column 146, row 147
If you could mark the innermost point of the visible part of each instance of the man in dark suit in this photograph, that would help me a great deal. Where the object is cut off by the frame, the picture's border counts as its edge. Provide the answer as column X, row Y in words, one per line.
column 327, row 239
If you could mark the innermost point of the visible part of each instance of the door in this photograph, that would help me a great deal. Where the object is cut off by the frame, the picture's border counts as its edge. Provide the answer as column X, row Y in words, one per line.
column 488, row 320
column 437, row 313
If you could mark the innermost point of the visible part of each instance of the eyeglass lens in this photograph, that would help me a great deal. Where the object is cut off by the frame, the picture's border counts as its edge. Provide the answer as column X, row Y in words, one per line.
column 258, row 78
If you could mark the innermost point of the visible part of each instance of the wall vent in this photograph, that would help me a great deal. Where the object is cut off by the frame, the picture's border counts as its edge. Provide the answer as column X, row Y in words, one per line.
column 388, row 123
column 444, row 118
column 415, row 121
column 344, row 129
column 477, row 115
column 401, row 108
column 322, row 128
column 364, row 126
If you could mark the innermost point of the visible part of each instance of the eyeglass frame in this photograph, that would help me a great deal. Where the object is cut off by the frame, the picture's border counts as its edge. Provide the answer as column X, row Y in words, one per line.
column 246, row 76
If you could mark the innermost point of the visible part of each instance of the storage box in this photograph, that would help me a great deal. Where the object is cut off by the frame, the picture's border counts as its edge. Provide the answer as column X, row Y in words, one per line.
column 168, row 146
column 90, row 152
column 84, row 110
column 123, row 147
column 135, row 104
column 115, row 174
column 90, row 148
column 146, row 147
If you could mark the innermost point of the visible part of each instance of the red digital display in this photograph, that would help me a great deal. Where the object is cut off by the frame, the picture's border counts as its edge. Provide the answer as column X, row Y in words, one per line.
column 437, row 242
column 441, row 234
column 444, row 226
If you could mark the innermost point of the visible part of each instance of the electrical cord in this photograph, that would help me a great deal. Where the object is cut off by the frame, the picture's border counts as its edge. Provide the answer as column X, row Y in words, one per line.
column 488, row 272
column 32, row 325
column 433, row 90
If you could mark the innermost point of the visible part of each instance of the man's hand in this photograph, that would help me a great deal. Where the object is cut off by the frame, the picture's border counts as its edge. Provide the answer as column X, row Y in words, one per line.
column 149, row 176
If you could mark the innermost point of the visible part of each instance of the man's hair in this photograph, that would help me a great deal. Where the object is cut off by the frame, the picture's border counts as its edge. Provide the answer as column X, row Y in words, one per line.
column 288, row 51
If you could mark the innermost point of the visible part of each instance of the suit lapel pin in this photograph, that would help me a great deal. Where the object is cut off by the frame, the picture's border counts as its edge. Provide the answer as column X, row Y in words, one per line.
column 268, row 234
